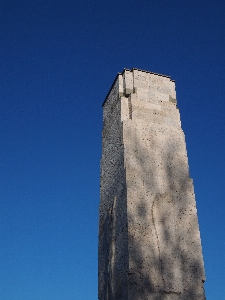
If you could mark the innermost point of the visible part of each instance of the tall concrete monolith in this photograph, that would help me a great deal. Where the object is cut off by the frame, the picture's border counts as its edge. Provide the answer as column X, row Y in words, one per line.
column 149, row 240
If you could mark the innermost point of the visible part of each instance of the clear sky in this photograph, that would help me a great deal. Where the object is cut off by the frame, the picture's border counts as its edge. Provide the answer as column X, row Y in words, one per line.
column 58, row 60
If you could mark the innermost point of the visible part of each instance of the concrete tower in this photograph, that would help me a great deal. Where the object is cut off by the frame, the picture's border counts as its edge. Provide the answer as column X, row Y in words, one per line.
column 149, row 241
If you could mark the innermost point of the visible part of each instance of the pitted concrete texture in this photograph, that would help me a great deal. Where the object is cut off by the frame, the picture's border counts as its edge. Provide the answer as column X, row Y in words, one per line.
column 149, row 241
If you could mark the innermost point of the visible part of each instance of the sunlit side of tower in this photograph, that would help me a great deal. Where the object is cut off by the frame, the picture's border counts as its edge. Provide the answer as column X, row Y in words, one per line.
column 149, row 240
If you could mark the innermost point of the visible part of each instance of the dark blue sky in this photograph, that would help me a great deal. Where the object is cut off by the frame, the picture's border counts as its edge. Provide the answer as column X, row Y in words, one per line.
column 58, row 60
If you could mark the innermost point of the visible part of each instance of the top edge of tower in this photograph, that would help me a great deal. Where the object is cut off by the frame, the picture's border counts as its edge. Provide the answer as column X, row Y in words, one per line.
column 124, row 70
column 147, row 72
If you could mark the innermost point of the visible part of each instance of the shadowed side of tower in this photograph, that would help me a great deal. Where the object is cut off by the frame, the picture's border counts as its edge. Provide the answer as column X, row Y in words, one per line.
column 149, row 241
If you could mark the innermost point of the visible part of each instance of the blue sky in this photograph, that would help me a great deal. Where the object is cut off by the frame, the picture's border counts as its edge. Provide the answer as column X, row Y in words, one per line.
column 58, row 60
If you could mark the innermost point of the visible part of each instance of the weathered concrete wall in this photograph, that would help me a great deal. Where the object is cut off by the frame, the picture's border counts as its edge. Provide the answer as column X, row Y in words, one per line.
column 149, row 242
column 113, row 233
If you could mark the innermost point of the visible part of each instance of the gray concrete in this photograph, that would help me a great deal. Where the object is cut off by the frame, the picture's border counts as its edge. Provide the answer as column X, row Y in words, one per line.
column 149, row 241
